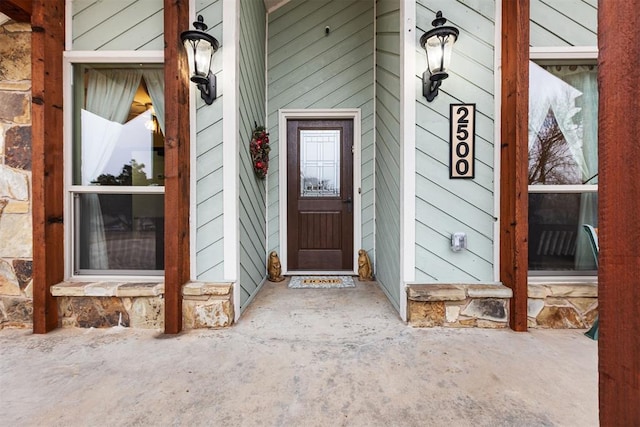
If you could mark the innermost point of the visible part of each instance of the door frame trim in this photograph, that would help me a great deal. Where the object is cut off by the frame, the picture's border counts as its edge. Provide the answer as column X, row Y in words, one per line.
column 320, row 114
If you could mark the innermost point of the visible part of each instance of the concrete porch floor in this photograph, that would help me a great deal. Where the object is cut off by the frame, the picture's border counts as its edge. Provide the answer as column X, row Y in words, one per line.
column 301, row 357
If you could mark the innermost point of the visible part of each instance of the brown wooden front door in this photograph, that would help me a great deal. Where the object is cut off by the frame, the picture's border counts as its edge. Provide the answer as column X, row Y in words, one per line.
column 320, row 194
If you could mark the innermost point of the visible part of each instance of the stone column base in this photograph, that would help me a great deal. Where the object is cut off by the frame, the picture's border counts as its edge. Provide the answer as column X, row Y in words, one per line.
column 108, row 304
column 139, row 305
column 562, row 305
column 458, row 306
column 207, row 305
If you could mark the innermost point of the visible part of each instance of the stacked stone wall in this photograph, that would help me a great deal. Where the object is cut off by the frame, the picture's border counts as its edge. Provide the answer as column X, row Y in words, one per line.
column 109, row 304
column 207, row 305
column 562, row 305
column 16, row 307
column 458, row 306
column 141, row 305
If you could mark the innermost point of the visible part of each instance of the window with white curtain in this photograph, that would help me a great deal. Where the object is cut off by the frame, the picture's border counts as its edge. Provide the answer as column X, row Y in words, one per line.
column 117, row 187
column 563, row 168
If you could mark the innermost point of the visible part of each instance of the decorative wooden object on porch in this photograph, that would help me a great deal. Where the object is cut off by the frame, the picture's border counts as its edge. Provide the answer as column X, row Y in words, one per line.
column 259, row 147
column 365, row 271
column 274, row 268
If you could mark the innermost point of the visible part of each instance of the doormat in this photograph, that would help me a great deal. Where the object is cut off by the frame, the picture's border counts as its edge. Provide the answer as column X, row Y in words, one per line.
column 321, row 282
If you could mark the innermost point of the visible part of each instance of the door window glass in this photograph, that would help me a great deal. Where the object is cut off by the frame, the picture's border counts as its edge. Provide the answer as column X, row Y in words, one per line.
column 320, row 163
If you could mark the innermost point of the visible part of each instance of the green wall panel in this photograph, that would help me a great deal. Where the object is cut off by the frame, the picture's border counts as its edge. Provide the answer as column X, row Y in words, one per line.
column 444, row 205
column 309, row 69
column 117, row 25
column 209, row 162
column 252, row 190
column 388, row 152
column 557, row 23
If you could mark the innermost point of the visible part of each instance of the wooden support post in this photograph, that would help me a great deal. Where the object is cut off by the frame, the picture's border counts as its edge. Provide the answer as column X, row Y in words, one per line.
column 47, row 22
column 619, row 204
column 18, row 10
column 514, row 158
column 177, row 159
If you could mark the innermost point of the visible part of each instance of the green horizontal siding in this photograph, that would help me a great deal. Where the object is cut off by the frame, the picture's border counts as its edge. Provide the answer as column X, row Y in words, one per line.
column 309, row 69
column 252, row 191
column 388, row 149
column 557, row 23
column 209, row 163
column 443, row 205
column 117, row 25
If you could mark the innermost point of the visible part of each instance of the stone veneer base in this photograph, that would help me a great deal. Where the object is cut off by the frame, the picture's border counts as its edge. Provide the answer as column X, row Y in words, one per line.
column 207, row 305
column 210, row 305
column 458, row 305
column 549, row 305
column 16, row 312
column 140, row 305
column 562, row 305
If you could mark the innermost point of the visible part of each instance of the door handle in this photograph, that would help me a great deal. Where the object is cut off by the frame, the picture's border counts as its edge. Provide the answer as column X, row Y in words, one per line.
column 350, row 202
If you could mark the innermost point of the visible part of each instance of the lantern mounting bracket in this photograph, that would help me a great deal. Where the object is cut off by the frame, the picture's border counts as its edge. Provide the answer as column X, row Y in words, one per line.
column 208, row 89
column 430, row 85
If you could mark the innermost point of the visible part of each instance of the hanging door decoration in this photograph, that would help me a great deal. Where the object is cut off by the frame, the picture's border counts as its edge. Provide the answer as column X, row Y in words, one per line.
column 259, row 148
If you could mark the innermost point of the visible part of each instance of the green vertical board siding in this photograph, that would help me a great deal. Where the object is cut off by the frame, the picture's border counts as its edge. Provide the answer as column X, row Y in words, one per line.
column 443, row 205
column 388, row 150
column 252, row 190
column 309, row 69
column 209, row 162
column 117, row 25
column 557, row 23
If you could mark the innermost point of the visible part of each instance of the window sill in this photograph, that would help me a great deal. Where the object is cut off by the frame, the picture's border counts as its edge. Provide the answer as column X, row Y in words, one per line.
column 563, row 289
column 107, row 289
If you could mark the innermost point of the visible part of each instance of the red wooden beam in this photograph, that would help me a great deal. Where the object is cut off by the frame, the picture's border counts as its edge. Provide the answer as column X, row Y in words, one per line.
column 18, row 10
column 619, row 204
column 514, row 158
column 47, row 46
column 177, row 166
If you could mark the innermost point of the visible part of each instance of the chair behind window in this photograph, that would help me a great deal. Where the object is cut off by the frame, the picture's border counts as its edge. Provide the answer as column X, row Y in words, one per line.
column 593, row 240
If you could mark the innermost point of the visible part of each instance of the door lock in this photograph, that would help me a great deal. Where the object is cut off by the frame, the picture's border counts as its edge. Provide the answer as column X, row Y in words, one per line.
column 350, row 202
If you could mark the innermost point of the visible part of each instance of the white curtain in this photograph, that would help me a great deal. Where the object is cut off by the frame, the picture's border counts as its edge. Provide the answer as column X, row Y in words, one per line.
column 154, row 78
column 109, row 97
column 555, row 94
column 584, row 78
column 110, row 92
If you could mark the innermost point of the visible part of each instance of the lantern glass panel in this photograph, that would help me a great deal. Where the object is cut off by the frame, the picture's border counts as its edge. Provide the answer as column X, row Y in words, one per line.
column 190, row 48
column 439, row 50
column 204, row 52
column 199, row 53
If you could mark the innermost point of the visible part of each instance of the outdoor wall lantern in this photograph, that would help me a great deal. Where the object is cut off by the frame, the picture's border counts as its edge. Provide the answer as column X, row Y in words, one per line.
column 200, row 48
column 438, row 43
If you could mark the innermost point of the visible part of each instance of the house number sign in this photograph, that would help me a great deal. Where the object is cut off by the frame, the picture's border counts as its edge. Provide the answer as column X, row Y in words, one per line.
column 463, row 139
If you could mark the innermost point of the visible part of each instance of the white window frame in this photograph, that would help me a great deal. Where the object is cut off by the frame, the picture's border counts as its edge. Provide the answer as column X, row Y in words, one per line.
column 94, row 57
column 564, row 55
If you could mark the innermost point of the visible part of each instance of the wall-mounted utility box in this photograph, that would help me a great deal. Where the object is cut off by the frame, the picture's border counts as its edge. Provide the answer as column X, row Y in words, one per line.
column 458, row 241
